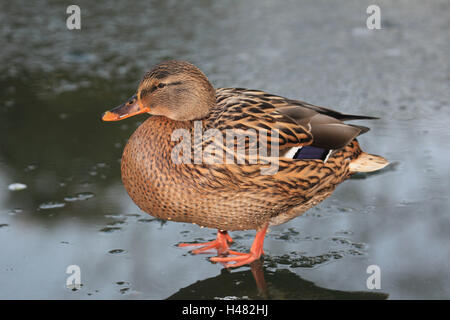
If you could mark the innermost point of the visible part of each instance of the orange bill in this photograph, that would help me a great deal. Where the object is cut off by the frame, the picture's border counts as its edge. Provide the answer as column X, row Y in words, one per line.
column 128, row 109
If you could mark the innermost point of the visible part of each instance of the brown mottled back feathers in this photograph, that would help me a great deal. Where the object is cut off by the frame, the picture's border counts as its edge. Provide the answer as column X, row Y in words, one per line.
column 298, row 123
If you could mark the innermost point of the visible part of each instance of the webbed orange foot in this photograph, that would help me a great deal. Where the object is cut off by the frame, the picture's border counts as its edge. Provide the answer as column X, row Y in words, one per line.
column 220, row 244
column 240, row 258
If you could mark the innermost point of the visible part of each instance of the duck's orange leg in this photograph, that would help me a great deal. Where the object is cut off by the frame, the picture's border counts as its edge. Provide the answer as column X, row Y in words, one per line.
column 220, row 244
column 241, row 259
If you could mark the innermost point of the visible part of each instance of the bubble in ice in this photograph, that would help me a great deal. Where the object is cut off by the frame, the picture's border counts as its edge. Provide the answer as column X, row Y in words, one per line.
column 51, row 205
column 79, row 197
column 116, row 251
column 17, row 186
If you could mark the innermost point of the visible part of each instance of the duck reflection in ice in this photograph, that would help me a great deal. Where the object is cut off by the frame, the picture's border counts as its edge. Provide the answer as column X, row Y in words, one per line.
column 258, row 283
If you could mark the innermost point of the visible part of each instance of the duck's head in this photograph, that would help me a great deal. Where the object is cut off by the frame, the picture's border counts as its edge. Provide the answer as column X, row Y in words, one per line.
column 175, row 89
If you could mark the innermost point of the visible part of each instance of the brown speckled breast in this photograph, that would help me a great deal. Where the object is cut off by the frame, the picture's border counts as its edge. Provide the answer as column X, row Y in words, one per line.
column 226, row 197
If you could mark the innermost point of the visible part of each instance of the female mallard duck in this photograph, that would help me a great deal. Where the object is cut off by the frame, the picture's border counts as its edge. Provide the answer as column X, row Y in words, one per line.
column 285, row 156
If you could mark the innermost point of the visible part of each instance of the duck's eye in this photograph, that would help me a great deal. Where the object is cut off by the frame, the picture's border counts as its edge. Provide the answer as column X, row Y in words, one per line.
column 131, row 101
column 161, row 85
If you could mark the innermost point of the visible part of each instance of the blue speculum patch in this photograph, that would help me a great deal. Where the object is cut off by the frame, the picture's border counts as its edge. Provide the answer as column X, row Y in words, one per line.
column 310, row 152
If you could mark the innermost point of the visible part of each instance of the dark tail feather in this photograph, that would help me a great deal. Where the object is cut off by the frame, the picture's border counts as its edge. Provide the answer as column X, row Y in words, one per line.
column 345, row 117
column 362, row 128
column 330, row 112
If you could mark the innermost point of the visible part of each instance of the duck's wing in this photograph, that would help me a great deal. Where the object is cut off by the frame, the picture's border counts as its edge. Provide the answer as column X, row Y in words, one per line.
column 296, row 123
